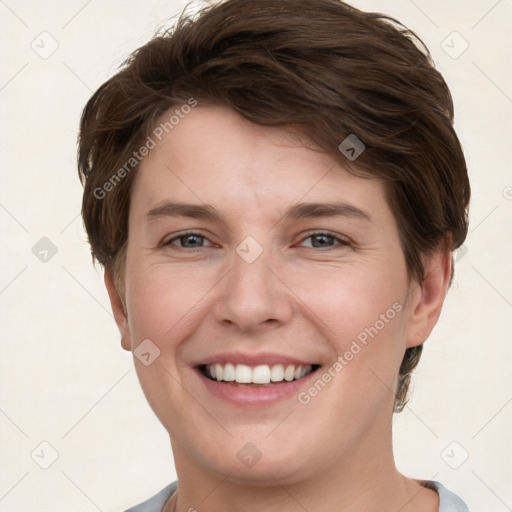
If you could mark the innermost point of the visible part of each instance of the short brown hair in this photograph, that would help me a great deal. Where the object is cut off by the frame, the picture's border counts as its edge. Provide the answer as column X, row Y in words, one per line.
column 323, row 67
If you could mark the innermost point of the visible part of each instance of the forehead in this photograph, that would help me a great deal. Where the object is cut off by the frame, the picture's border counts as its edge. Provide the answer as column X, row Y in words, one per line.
column 213, row 155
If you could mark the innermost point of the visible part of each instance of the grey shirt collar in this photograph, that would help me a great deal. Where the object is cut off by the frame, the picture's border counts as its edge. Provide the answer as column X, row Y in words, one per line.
column 448, row 502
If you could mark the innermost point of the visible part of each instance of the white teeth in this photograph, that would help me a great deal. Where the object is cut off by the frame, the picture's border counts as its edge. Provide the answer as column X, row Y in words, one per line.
column 229, row 372
column 243, row 374
column 261, row 374
column 277, row 373
column 289, row 373
column 219, row 372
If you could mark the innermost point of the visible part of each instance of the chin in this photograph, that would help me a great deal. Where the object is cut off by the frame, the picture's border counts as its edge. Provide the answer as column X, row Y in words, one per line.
column 260, row 462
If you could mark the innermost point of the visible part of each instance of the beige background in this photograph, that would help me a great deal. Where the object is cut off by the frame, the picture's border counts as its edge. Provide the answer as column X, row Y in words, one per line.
column 64, row 378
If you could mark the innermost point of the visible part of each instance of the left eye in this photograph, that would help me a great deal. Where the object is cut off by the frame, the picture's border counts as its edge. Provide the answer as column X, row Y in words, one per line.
column 320, row 240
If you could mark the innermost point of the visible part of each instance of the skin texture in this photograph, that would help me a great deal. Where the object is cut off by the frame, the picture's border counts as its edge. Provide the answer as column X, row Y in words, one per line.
column 194, row 298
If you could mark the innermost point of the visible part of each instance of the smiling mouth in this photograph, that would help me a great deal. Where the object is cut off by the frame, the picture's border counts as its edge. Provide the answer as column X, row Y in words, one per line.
column 260, row 375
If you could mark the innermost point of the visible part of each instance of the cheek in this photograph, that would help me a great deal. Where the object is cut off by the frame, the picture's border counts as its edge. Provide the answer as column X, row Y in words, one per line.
column 348, row 302
column 162, row 308
column 162, row 303
column 361, row 313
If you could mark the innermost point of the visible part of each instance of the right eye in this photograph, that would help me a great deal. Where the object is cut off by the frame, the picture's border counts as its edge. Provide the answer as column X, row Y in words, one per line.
column 189, row 240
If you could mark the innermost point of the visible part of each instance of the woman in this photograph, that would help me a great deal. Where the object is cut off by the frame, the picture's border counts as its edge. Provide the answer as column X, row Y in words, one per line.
column 275, row 190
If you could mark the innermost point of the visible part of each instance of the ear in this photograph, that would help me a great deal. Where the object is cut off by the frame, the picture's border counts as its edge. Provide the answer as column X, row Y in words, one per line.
column 428, row 297
column 118, row 309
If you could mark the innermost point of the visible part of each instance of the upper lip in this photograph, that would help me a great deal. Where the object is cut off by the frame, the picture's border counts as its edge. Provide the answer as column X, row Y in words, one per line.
column 261, row 358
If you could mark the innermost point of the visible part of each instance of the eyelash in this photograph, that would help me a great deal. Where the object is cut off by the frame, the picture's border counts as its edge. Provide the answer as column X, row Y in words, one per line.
column 342, row 241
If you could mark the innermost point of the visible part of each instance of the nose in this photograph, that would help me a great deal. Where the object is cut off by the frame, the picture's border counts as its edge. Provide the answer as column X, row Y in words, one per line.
column 253, row 296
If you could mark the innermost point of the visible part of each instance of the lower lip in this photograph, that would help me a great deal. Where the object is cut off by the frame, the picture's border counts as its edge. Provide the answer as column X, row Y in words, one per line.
column 259, row 395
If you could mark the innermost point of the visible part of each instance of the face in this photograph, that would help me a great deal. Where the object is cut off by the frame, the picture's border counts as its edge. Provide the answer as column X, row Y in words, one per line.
column 256, row 260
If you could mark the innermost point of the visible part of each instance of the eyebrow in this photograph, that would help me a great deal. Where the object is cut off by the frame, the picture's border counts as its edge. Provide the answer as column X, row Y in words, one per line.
column 295, row 211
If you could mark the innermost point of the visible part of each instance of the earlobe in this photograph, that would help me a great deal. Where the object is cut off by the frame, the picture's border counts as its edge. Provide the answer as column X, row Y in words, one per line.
column 118, row 309
column 428, row 298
